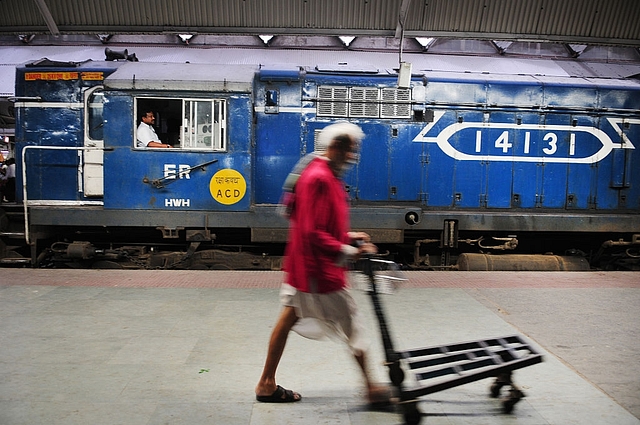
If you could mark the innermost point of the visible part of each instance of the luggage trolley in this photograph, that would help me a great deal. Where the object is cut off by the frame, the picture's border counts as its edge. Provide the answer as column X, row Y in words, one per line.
column 438, row 368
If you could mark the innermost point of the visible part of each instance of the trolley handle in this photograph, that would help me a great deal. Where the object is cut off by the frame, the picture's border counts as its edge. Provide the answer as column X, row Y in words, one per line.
column 382, row 275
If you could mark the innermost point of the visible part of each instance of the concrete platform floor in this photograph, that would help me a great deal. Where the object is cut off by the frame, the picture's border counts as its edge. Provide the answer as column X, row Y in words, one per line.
column 187, row 347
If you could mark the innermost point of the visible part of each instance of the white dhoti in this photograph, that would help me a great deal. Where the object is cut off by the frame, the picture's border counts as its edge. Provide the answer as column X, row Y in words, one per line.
column 334, row 315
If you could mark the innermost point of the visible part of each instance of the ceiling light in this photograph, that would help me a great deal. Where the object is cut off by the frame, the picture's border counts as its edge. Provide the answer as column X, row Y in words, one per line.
column 104, row 38
column 26, row 38
column 425, row 42
column 185, row 38
column 266, row 38
column 346, row 39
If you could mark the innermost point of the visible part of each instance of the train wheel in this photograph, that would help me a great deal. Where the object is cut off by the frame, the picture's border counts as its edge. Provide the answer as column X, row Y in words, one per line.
column 396, row 374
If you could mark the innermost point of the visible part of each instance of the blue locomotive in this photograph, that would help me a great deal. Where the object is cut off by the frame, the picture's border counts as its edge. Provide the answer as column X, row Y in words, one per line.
column 472, row 171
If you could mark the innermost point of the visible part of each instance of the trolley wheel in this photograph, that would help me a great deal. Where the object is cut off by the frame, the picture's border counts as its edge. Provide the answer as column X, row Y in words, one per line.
column 412, row 415
column 509, row 402
column 396, row 374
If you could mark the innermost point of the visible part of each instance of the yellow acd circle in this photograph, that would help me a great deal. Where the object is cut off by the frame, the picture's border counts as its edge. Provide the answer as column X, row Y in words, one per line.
column 227, row 186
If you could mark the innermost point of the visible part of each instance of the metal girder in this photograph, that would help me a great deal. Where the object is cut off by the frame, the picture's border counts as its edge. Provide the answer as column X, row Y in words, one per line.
column 402, row 14
column 48, row 18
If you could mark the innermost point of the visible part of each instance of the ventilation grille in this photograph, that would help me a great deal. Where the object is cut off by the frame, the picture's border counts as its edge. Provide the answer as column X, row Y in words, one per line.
column 396, row 103
column 332, row 101
column 364, row 102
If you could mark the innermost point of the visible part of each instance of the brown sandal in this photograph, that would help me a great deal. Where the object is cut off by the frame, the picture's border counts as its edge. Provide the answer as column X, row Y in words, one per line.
column 280, row 395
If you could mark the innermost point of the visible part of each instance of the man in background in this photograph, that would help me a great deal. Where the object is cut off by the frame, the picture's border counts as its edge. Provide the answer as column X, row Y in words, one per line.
column 146, row 134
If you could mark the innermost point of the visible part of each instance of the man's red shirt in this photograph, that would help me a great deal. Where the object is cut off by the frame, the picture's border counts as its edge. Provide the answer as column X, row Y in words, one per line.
column 318, row 229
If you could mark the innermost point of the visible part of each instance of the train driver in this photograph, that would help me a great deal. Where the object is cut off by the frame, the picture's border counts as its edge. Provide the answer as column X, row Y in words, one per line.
column 146, row 134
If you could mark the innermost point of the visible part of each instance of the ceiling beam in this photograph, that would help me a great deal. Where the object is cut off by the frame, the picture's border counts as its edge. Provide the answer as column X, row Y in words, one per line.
column 402, row 14
column 46, row 14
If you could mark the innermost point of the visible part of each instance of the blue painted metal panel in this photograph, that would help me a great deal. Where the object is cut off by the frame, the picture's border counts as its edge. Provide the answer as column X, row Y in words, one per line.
column 271, row 75
column 472, row 186
column 611, row 97
column 51, row 174
column 130, row 172
column 278, row 148
column 369, row 180
column 577, row 96
column 581, row 178
column 526, row 175
column 385, row 150
column 554, row 144
column 56, row 119
column 453, row 92
column 350, row 79
column 538, row 143
column 279, row 132
column 439, row 170
column 520, row 94
column 406, row 165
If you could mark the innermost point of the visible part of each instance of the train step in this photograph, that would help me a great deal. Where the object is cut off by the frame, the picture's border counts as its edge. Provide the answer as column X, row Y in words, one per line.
column 12, row 235
column 11, row 221
column 15, row 261
column 14, row 213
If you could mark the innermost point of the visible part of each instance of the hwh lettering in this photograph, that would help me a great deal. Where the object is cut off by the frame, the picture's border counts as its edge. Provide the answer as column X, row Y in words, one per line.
column 177, row 202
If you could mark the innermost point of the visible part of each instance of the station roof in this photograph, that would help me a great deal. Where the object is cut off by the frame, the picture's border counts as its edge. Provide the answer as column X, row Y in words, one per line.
column 608, row 22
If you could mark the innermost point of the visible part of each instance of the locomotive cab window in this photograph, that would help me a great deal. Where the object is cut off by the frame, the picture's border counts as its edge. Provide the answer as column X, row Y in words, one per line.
column 188, row 124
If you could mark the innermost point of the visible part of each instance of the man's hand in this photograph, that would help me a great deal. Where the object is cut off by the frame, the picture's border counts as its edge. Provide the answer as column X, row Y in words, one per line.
column 359, row 236
column 362, row 241
column 367, row 248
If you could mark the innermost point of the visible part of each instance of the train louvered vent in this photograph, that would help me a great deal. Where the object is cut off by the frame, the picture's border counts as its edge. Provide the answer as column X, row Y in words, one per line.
column 396, row 103
column 316, row 134
column 367, row 102
column 364, row 102
column 332, row 101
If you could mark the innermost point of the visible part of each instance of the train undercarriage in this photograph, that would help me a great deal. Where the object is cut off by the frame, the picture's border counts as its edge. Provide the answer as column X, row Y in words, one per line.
column 448, row 248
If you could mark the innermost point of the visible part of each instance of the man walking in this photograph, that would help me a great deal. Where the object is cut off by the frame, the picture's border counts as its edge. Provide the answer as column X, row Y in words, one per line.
column 314, row 296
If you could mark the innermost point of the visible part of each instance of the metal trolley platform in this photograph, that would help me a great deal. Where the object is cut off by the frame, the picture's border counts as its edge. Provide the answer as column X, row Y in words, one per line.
column 441, row 367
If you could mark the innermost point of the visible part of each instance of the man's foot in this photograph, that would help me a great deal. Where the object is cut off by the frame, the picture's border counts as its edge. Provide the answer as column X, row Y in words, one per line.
column 379, row 396
column 280, row 395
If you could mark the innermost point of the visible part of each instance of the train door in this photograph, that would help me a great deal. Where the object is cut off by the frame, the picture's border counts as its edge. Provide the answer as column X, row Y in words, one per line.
column 91, row 161
column 582, row 181
column 476, row 181
column 280, row 130
column 526, row 174
column 555, row 144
